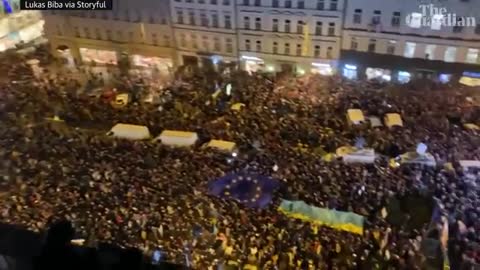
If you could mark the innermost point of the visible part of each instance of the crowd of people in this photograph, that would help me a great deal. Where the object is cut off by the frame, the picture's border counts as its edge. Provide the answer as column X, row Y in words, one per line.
column 147, row 195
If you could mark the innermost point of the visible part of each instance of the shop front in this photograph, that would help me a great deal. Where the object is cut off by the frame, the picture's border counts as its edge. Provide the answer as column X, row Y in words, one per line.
column 160, row 64
column 253, row 64
column 378, row 74
column 404, row 77
column 350, row 72
column 102, row 57
column 323, row 69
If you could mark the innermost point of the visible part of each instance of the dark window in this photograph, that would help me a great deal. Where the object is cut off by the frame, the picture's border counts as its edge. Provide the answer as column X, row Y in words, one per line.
column 301, row 4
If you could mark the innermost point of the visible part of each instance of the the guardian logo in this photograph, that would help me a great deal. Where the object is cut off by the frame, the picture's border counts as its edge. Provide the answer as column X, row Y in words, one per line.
column 435, row 18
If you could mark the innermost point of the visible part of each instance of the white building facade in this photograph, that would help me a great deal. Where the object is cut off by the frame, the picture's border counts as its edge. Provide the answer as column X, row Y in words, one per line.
column 441, row 32
column 289, row 35
column 139, row 30
column 205, row 31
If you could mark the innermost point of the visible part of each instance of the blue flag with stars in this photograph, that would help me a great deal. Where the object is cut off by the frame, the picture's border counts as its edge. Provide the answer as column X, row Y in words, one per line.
column 250, row 189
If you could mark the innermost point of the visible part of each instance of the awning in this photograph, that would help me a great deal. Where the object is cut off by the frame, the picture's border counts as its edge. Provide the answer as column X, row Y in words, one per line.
column 222, row 145
column 396, row 62
column 393, row 119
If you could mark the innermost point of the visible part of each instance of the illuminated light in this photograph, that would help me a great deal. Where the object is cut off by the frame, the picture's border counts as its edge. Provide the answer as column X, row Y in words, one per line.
column 251, row 58
column 387, row 77
column 321, row 65
column 270, row 68
column 234, row 154
column 351, row 67
column 229, row 89
column 414, row 20
column 301, row 71
column 215, row 59
column 444, row 78
column 469, row 74
column 404, row 74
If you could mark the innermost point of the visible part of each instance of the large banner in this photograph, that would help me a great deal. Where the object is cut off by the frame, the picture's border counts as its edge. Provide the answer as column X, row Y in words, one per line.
column 345, row 221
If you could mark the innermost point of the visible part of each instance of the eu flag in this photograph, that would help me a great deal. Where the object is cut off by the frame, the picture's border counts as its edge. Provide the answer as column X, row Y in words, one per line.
column 250, row 189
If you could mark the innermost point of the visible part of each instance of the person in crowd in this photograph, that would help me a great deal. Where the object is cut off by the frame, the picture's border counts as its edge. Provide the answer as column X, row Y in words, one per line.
column 146, row 195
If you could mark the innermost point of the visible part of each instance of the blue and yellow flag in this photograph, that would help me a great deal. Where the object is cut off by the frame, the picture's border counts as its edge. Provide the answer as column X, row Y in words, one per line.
column 251, row 189
column 339, row 220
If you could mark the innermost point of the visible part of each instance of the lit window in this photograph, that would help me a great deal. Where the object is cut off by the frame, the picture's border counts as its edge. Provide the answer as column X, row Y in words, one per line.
column 247, row 45
column 450, row 54
column 215, row 20
column 194, row 42
column 472, row 56
column 216, row 44
column 372, row 45
column 300, row 26
column 205, row 43
column 203, row 19
column 430, row 51
column 166, row 40
column 329, row 52
column 119, row 35
column 396, row 19
column 87, row 32
column 179, row 16
column 458, row 28
column 301, row 4
column 77, row 31
column 228, row 22
column 98, row 35
column 246, row 22
column 331, row 29
column 258, row 24
column 437, row 21
column 333, row 4
column 353, row 44
column 376, row 17
column 287, row 48
column 357, row 16
column 154, row 40
column 299, row 49
column 320, row 4
column 183, row 40
column 275, row 25
column 391, row 47
column 316, row 51
column 229, row 45
column 259, row 46
column 191, row 17
column 287, row 26
column 409, row 49
column 414, row 20
column 318, row 29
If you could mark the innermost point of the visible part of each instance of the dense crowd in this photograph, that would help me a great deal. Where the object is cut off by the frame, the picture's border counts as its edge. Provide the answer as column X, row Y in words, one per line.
column 147, row 195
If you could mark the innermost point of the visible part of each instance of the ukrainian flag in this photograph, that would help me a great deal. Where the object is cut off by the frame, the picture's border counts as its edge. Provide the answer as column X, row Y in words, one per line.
column 339, row 220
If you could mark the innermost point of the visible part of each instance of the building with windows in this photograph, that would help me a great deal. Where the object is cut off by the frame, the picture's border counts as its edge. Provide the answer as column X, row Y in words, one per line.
column 138, row 31
column 18, row 26
column 205, row 31
column 289, row 35
column 400, row 39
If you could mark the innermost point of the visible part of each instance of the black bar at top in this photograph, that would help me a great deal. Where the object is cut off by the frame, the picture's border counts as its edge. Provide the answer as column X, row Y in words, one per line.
column 66, row 4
